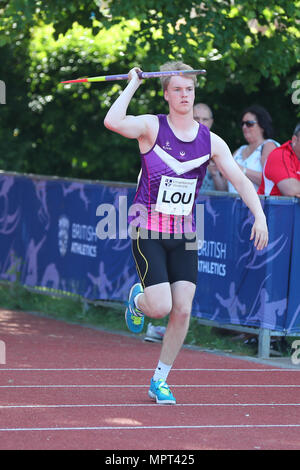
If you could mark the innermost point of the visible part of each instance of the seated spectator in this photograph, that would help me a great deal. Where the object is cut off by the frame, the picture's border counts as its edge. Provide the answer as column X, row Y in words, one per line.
column 203, row 114
column 257, row 129
column 281, row 175
column 213, row 180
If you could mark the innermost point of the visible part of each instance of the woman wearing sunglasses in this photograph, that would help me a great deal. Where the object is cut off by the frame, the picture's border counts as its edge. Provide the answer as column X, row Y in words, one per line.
column 257, row 128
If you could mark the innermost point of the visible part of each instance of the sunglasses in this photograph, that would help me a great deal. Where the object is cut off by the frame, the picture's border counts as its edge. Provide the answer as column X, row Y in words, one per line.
column 248, row 123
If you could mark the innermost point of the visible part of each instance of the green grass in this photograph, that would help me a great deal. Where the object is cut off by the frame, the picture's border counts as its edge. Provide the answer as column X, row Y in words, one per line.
column 73, row 309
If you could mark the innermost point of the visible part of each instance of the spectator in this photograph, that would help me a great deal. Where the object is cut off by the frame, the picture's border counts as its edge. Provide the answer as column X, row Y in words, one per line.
column 281, row 175
column 203, row 114
column 213, row 179
column 257, row 129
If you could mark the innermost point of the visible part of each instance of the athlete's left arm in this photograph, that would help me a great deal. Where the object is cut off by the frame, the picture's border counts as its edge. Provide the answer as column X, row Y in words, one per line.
column 226, row 164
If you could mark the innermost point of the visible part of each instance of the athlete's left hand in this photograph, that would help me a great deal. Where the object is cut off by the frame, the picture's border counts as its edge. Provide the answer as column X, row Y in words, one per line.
column 260, row 233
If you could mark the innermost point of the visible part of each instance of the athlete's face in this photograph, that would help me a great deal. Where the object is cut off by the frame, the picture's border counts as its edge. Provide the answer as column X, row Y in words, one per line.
column 180, row 94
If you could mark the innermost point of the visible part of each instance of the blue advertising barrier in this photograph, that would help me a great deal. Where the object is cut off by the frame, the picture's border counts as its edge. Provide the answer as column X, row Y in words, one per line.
column 238, row 284
column 293, row 310
column 49, row 238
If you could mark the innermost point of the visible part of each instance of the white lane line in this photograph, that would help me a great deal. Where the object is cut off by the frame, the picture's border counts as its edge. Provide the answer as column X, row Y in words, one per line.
column 126, row 405
column 132, row 428
column 147, row 385
column 103, row 369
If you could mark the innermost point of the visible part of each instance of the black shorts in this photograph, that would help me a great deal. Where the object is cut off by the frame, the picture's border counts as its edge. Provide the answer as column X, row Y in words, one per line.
column 159, row 259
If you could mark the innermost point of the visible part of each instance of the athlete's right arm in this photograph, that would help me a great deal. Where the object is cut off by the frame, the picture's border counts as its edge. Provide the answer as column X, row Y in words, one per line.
column 117, row 120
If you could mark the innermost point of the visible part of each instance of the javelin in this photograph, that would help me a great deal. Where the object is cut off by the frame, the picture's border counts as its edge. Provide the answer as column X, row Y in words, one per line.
column 106, row 78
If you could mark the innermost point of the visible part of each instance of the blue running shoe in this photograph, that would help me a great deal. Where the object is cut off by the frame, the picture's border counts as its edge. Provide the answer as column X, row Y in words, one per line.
column 159, row 391
column 133, row 316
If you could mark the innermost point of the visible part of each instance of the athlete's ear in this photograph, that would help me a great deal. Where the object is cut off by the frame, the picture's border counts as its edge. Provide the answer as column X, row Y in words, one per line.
column 166, row 97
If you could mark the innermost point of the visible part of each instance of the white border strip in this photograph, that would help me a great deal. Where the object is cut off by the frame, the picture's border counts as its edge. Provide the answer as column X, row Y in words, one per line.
column 147, row 385
column 126, row 405
column 142, row 370
column 132, row 428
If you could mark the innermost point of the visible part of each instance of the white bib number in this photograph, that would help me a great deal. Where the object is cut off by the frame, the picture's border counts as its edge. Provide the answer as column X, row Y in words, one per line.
column 176, row 195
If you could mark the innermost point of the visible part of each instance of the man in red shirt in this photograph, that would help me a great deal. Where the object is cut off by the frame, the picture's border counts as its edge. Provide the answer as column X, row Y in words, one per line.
column 281, row 175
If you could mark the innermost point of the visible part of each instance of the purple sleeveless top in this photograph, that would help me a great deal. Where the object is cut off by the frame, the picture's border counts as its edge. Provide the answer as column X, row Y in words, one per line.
column 172, row 174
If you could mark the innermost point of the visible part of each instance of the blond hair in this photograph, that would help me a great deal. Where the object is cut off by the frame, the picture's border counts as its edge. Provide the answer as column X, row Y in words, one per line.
column 175, row 65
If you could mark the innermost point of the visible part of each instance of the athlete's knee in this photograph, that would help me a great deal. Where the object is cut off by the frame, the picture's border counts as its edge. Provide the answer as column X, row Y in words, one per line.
column 159, row 307
column 182, row 312
column 158, row 300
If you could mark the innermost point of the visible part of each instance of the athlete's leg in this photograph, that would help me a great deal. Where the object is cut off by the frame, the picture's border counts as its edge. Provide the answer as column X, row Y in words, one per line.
column 182, row 265
column 151, row 261
column 182, row 297
column 183, row 272
column 156, row 301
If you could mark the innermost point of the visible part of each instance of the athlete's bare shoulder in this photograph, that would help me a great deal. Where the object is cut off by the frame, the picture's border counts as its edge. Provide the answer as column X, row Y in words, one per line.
column 150, row 119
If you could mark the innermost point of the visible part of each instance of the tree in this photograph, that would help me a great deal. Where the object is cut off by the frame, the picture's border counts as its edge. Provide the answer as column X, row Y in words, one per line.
column 238, row 40
column 45, row 127
column 251, row 51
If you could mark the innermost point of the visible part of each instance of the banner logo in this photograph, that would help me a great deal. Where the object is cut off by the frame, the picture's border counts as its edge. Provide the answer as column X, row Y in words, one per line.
column 63, row 234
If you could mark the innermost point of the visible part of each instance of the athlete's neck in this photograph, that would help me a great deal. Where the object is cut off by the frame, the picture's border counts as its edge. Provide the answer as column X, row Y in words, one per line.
column 183, row 126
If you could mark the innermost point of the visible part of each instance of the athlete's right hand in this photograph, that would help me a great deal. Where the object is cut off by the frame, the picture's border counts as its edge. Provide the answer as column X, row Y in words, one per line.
column 133, row 76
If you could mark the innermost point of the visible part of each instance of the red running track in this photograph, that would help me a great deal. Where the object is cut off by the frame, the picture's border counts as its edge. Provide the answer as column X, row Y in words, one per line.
column 71, row 387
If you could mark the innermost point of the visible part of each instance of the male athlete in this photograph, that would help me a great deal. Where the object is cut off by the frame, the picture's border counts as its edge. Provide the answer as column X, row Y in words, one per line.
column 175, row 151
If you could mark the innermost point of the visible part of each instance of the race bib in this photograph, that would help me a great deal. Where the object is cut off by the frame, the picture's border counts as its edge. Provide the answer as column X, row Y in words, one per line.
column 176, row 195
